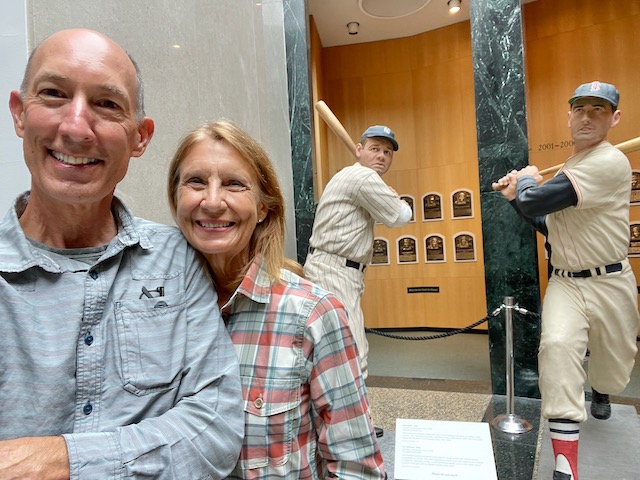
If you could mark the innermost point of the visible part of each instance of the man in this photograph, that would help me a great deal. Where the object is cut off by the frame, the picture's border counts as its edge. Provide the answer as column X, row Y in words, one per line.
column 341, row 244
column 115, row 362
column 591, row 298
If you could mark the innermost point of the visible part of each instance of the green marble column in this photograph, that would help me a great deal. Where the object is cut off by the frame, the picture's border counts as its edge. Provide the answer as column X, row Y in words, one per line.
column 509, row 244
column 296, row 26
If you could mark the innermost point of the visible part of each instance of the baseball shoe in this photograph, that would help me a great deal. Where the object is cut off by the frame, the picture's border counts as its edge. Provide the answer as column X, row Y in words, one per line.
column 561, row 476
column 600, row 405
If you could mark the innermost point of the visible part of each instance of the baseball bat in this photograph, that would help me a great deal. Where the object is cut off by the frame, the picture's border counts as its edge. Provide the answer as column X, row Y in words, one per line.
column 625, row 147
column 336, row 127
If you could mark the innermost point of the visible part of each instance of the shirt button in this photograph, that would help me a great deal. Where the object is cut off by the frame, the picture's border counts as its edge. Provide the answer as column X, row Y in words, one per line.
column 94, row 274
column 259, row 402
column 88, row 339
column 87, row 409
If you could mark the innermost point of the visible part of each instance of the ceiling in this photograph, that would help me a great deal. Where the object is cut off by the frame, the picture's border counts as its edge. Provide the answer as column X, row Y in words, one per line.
column 386, row 19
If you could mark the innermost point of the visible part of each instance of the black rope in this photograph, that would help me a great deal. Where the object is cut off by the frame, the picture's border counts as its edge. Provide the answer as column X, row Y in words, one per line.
column 444, row 334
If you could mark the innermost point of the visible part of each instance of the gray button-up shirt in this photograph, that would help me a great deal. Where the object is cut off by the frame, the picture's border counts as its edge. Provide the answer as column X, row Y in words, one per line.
column 139, row 384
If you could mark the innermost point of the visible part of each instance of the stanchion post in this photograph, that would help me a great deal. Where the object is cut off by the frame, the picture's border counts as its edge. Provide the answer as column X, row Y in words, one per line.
column 510, row 422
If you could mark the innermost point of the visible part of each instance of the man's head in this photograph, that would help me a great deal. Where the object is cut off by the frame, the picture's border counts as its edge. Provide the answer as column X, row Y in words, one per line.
column 80, row 115
column 593, row 112
column 376, row 148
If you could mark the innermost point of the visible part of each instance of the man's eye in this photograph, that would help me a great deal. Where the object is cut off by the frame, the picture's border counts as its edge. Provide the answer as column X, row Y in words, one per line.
column 110, row 104
column 51, row 92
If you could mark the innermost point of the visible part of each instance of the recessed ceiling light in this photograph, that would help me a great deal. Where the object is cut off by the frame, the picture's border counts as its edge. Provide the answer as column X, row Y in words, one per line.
column 391, row 9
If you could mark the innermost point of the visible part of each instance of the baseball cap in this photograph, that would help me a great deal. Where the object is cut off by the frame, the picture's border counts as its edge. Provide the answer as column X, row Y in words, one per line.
column 597, row 89
column 381, row 131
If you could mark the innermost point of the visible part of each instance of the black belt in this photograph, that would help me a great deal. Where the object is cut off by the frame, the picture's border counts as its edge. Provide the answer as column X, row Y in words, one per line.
column 356, row 265
column 614, row 267
column 348, row 263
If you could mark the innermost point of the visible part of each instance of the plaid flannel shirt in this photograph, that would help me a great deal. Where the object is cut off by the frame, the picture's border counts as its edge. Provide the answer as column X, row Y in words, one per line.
column 306, row 408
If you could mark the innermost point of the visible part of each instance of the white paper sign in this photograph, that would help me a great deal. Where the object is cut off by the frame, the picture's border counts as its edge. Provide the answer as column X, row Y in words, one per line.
column 430, row 449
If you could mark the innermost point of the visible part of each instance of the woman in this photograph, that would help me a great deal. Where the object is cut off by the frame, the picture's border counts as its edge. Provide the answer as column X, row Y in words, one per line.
column 306, row 410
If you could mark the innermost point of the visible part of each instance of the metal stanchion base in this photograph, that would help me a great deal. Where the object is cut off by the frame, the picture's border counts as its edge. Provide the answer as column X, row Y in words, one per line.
column 511, row 423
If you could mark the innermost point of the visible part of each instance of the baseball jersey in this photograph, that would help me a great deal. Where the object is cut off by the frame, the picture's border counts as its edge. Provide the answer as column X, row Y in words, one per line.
column 354, row 199
column 596, row 231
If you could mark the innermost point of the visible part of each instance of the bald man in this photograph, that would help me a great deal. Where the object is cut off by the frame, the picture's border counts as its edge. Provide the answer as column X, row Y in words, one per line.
column 115, row 362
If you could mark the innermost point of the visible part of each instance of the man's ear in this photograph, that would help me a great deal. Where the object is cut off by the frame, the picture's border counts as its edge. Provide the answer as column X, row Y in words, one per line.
column 615, row 118
column 16, row 106
column 145, row 132
column 358, row 149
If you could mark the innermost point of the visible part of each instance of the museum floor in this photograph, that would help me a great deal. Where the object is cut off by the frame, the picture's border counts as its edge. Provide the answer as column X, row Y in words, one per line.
column 449, row 379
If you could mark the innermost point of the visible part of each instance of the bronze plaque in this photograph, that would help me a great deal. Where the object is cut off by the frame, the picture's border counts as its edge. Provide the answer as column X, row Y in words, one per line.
column 635, row 186
column 465, row 250
column 410, row 202
column 634, row 240
column 432, row 207
column 461, row 204
column 407, row 250
column 380, row 252
column 434, row 247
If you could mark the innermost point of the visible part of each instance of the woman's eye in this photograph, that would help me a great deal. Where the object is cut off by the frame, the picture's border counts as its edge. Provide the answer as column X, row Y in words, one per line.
column 235, row 184
column 194, row 181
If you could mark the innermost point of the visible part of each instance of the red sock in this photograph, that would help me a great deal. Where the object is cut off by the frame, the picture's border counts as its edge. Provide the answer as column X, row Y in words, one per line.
column 564, row 439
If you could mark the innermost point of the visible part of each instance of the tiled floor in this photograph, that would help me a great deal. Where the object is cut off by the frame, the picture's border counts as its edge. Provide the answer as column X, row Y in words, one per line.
column 449, row 379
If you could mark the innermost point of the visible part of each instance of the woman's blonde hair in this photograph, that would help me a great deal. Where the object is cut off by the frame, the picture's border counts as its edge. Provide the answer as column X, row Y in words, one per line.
column 267, row 239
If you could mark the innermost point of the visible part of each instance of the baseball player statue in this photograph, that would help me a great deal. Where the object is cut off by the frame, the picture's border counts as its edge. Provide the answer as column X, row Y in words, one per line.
column 591, row 298
column 341, row 244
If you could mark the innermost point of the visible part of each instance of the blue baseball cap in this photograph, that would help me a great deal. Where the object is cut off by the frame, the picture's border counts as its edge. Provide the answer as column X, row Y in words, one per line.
column 599, row 90
column 381, row 131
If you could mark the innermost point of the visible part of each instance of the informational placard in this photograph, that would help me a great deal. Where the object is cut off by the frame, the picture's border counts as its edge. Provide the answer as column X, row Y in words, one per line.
column 438, row 450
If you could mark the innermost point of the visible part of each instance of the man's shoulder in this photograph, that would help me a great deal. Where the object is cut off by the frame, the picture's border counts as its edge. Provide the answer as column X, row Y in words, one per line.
column 353, row 176
column 603, row 156
column 155, row 228
column 164, row 240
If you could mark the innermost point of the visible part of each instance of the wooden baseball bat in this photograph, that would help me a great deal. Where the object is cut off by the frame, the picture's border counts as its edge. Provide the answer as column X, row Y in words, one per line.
column 336, row 127
column 625, row 147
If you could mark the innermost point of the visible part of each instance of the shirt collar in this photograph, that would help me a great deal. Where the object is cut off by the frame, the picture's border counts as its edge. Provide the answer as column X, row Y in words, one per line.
column 256, row 284
column 17, row 253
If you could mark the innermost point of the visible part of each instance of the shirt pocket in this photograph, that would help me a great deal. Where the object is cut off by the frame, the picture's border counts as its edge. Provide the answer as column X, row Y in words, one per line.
column 152, row 341
column 272, row 413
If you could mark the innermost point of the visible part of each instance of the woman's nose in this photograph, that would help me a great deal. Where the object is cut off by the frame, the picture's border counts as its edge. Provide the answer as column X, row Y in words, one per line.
column 213, row 199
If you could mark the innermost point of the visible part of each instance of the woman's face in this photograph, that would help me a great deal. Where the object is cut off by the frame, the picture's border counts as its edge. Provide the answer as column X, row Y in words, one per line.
column 218, row 201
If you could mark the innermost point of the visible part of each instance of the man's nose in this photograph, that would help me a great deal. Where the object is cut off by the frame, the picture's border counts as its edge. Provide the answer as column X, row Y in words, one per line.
column 77, row 122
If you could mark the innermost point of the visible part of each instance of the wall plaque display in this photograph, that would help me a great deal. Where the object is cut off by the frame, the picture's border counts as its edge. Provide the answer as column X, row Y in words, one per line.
column 410, row 200
column 380, row 251
column 461, row 204
column 634, row 240
column 431, row 207
column 464, row 247
column 635, row 186
column 434, row 250
column 407, row 252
